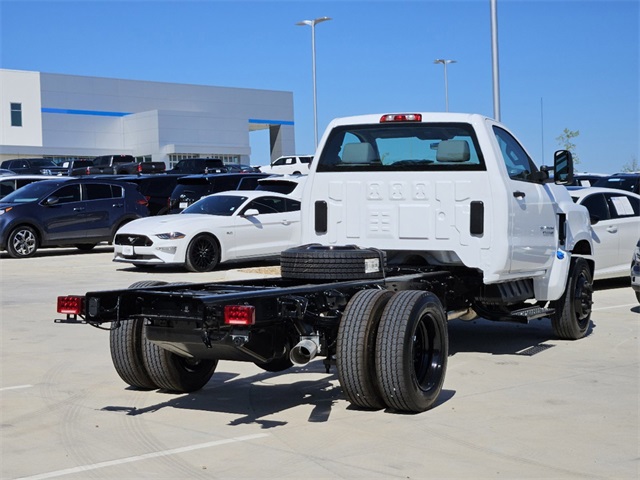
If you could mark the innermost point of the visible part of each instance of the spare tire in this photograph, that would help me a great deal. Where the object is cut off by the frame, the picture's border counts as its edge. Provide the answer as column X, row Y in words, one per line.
column 320, row 262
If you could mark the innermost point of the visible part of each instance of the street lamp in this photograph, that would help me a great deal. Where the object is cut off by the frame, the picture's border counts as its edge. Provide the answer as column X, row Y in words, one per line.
column 312, row 24
column 446, row 83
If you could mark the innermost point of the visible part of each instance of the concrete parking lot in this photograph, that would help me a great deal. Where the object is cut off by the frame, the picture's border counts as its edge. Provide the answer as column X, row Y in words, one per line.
column 516, row 402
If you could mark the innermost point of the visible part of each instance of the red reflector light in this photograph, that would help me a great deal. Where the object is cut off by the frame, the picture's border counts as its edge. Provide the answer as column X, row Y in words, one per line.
column 72, row 304
column 239, row 314
column 401, row 117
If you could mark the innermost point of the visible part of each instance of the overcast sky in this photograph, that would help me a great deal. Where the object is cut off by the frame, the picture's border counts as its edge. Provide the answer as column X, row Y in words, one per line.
column 563, row 64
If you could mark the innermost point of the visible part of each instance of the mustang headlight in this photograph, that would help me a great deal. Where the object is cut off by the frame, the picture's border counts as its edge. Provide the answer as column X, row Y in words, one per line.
column 171, row 236
column 637, row 254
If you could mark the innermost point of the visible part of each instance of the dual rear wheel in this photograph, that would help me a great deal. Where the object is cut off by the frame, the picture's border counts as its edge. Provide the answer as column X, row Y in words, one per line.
column 144, row 365
column 392, row 350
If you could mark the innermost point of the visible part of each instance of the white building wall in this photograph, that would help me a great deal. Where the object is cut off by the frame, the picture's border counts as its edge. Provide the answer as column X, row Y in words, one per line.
column 20, row 87
column 98, row 116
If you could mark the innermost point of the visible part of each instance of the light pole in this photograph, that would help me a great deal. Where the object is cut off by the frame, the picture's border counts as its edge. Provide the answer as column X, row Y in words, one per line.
column 312, row 24
column 446, row 83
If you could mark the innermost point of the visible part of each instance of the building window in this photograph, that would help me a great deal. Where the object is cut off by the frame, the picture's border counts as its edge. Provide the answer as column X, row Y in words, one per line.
column 16, row 114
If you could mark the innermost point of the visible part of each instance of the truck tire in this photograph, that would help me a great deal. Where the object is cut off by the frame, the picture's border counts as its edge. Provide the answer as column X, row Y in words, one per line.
column 203, row 254
column 572, row 317
column 126, row 345
column 175, row 373
column 411, row 351
column 319, row 262
column 356, row 348
column 22, row 242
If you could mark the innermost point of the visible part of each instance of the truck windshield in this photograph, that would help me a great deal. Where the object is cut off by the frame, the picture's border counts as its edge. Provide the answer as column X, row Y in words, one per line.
column 402, row 147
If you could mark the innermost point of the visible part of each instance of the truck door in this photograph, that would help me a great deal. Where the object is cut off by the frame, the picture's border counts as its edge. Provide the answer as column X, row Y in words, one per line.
column 532, row 217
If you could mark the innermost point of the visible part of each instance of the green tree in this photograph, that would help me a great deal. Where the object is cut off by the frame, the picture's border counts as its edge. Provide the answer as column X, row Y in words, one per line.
column 566, row 142
column 631, row 166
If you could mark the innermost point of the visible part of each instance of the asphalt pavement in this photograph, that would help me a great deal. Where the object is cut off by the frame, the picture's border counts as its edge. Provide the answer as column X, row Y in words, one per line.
column 516, row 404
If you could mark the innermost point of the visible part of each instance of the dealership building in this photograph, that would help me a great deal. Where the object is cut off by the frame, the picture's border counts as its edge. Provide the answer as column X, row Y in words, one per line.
column 70, row 116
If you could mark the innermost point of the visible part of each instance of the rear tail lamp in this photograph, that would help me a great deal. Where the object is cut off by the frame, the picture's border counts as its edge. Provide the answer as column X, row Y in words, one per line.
column 71, row 304
column 401, row 117
column 139, row 168
column 239, row 314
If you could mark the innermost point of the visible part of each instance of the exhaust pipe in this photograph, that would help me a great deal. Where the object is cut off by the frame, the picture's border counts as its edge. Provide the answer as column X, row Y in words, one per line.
column 304, row 351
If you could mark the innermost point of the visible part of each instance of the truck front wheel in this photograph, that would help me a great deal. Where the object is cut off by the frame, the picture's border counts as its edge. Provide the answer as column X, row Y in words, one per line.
column 356, row 344
column 572, row 317
column 411, row 351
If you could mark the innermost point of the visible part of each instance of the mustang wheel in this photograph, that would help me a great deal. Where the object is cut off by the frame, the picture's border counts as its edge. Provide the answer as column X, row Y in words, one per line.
column 22, row 242
column 203, row 254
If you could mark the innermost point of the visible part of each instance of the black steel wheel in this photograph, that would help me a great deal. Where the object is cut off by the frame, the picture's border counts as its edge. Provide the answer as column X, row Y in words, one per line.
column 22, row 242
column 356, row 345
column 126, row 344
column 320, row 262
column 175, row 373
column 411, row 351
column 203, row 254
column 572, row 317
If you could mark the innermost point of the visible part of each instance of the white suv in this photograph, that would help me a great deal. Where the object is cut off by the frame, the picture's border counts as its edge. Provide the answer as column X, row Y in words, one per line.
column 289, row 165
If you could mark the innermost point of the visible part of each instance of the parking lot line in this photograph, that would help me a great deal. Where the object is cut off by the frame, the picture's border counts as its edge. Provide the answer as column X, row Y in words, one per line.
column 163, row 453
column 16, row 387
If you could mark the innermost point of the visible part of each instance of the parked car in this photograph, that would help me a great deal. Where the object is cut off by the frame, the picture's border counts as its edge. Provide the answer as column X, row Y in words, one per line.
column 240, row 168
column 122, row 165
column 157, row 190
column 615, row 220
column 238, row 225
column 76, row 167
column 635, row 271
column 192, row 188
column 290, row 164
column 191, row 166
column 286, row 184
column 67, row 211
column 586, row 179
column 622, row 181
column 4, row 171
column 9, row 183
column 43, row 166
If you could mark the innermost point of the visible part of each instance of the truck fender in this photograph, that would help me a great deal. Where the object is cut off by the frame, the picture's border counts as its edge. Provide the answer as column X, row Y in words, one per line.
column 552, row 284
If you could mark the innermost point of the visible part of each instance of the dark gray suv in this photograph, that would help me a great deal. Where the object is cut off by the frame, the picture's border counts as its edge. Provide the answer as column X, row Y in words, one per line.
column 70, row 211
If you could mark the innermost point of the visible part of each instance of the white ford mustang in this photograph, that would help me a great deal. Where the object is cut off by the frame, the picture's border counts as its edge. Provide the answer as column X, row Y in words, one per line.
column 235, row 225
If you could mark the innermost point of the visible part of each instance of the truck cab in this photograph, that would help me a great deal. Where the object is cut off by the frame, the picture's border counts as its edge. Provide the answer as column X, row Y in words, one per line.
column 442, row 189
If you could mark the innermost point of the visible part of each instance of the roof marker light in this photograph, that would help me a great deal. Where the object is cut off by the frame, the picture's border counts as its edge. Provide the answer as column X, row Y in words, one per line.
column 401, row 117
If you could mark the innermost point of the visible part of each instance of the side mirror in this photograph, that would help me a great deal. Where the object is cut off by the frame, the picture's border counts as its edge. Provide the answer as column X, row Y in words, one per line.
column 251, row 212
column 562, row 167
column 49, row 202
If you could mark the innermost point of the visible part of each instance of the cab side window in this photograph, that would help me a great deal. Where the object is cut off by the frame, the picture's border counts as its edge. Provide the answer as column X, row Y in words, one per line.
column 268, row 205
column 519, row 165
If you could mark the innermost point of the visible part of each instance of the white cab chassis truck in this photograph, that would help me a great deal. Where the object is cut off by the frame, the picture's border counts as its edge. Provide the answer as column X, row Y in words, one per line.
column 409, row 220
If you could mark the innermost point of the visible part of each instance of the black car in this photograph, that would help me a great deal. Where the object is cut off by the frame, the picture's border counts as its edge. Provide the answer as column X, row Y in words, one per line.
column 622, row 181
column 157, row 189
column 70, row 211
column 191, row 166
column 43, row 166
column 193, row 187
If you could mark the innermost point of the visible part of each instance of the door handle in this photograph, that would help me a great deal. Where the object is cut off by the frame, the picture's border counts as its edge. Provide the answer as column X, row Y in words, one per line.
column 612, row 229
column 519, row 195
column 78, row 209
column 286, row 222
column 117, row 205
